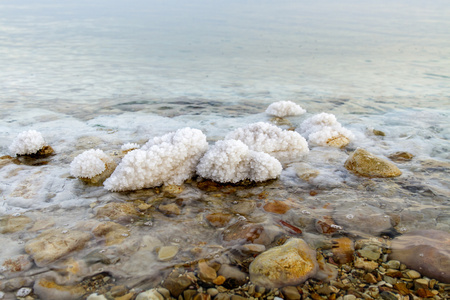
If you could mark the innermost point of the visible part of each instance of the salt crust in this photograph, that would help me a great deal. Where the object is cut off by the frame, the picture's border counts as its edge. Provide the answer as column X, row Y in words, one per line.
column 233, row 161
column 284, row 109
column 27, row 142
column 268, row 138
column 129, row 146
column 90, row 163
column 169, row 159
column 322, row 128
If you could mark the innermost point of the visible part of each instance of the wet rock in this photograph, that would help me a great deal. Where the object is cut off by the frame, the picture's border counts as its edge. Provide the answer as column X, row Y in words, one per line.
column 50, row 290
column 114, row 233
column 370, row 252
column 427, row 251
column 176, row 283
column 219, row 280
column 277, row 207
column 244, row 207
column 150, row 295
column 218, row 219
column 23, row 292
column 326, row 225
column 252, row 248
column 166, row 253
column 222, row 296
column 401, row 156
column 13, row 284
column 338, row 141
column 54, row 244
column 170, row 209
column 305, row 171
column 234, row 273
column 343, row 250
column 122, row 212
column 205, row 272
column 412, row 274
column 13, row 223
column 290, row 293
column 369, row 266
column 289, row 264
column 242, row 231
column 15, row 264
column 362, row 218
column 378, row 132
column 364, row 163
column 326, row 272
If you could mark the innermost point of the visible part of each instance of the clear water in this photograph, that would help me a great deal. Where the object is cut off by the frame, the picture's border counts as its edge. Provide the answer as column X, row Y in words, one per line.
column 97, row 74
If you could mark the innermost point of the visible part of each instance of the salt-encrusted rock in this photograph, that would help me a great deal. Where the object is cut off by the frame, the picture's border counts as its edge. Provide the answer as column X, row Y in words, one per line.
column 268, row 138
column 92, row 166
column 289, row 264
column 365, row 163
column 125, row 148
column 324, row 130
column 233, row 161
column 27, row 143
column 48, row 289
column 54, row 244
column 426, row 251
column 169, row 159
column 284, row 109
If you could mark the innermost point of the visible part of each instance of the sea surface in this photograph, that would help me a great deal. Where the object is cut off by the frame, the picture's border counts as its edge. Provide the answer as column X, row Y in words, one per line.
column 98, row 74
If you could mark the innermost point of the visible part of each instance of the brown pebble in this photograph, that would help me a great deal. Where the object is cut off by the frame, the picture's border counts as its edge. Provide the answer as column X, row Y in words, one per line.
column 312, row 193
column 125, row 297
column 316, row 296
column 401, row 288
column 343, row 250
column 424, row 293
column 370, row 278
column 277, row 207
column 395, row 274
column 219, row 280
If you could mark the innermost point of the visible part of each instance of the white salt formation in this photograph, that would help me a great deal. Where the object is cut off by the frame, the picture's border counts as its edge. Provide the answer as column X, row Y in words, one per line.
column 27, row 142
column 129, row 146
column 233, row 161
column 284, row 109
column 169, row 159
column 268, row 138
column 324, row 130
column 90, row 163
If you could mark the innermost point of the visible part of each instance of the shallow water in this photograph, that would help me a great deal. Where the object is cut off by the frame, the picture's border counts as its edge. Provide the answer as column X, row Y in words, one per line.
column 97, row 74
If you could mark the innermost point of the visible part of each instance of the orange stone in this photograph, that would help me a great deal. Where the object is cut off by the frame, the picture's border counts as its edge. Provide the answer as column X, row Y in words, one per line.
column 277, row 207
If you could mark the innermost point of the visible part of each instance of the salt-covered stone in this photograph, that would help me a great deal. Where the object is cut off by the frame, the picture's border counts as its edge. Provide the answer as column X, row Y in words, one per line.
column 27, row 143
column 284, row 109
column 364, row 163
column 426, row 251
column 289, row 264
column 169, row 159
column 54, row 244
column 268, row 138
column 233, row 161
column 92, row 166
column 324, row 130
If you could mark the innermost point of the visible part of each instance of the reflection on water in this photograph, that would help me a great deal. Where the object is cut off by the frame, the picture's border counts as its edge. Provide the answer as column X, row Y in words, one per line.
column 97, row 74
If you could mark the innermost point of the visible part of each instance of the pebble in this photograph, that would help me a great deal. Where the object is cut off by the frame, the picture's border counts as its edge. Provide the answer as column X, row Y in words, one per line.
column 176, row 283
column 205, row 272
column 95, row 296
column 222, row 296
column 372, row 253
column 413, row 274
column 366, row 265
column 150, row 295
column 166, row 253
column 277, row 207
column 219, row 280
column 349, row 297
column 212, row 291
column 23, row 292
column 290, row 293
column 421, row 283
column 393, row 264
column 289, row 264
column 50, row 290
column 170, row 209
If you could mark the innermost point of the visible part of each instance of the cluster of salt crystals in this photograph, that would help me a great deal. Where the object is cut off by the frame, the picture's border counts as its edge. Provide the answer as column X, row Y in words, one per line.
column 27, row 142
column 268, row 138
column 233, row 161
column 129, row 146
column 283, row 109
column 169, row 159
column 90, row 163
column 324, row 130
